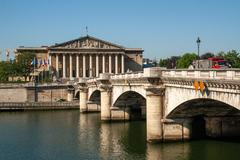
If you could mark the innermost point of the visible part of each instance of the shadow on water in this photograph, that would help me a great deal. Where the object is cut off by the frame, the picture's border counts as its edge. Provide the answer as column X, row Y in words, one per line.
column 194, row 150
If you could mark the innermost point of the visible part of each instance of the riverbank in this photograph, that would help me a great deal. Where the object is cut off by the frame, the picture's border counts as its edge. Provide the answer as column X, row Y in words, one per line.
column 23, row 106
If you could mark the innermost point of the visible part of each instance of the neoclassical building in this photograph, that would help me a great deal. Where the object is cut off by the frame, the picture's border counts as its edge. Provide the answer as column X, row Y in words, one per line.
column 86, row 57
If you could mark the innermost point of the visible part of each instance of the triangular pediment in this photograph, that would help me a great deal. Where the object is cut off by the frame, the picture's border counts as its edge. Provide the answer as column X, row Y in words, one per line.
column 87, row 42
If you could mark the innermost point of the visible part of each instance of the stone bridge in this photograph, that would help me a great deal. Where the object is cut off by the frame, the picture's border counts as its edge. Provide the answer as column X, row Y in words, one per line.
column 177, row 104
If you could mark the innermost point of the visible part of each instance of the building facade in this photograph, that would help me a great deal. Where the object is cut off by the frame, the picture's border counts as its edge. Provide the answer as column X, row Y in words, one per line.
column 86, row 57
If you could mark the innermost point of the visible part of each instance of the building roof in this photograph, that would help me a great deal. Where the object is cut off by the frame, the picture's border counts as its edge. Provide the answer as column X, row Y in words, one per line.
column 84, row 38
column 85, row 42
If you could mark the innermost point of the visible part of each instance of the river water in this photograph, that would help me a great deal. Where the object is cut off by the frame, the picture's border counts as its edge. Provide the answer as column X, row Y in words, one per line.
column 69, row 135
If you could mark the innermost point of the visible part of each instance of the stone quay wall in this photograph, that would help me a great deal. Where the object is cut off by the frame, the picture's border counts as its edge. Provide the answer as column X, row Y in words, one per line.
column 27, row 93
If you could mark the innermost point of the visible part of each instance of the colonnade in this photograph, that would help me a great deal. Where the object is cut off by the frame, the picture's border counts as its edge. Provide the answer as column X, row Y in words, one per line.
column 100, row 63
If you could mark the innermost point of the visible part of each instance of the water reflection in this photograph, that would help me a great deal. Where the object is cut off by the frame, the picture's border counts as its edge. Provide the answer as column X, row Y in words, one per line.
column 121, row 140
column 88, row 135
column 70, row 135
column 168, row 151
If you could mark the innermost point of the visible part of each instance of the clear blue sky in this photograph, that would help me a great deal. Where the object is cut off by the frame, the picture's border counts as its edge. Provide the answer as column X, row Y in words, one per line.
column 162, row 28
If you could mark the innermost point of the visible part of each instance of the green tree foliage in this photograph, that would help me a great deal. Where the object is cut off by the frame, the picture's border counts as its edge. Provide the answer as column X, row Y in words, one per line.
column 220, row 54
column 186, row 60
column 233, row 57
column 5, row 71
column 169, row 62
column 163, row 63
column 21, row 66
column 23, row 63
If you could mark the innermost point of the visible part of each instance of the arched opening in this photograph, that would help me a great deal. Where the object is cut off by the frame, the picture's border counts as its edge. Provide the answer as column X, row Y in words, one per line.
column 76, row 97
column 198, row 127
column 94, row 102
column 132, row 104
column 95, row 97
column 209, row 118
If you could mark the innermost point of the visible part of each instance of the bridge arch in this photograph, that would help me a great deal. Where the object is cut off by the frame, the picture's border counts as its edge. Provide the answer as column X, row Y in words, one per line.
column 205, row 107
column 209, row 118
column 119, row 90
column 175, row 96
column 133, row 103
column 76, row 94
column 95, row 97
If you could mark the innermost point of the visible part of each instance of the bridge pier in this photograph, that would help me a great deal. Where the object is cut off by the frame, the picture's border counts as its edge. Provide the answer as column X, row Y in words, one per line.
column 70, row 94
column 177, row 129
column 106, row 104
column 106, row 95
column 83, row 95
column 93, row 107
column 83, row 100
column 154, row 99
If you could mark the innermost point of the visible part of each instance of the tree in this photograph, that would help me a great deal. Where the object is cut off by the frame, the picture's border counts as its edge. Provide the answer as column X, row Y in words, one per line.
column 163, row 62
column 233, row 57
column 169, row 62
column 220, row 54
column 3, row 71
column 186, row 60
column 23, row 64
column 207, row 55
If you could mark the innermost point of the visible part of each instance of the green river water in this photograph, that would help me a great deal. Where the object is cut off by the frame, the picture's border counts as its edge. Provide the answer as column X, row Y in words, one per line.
column 69, row 135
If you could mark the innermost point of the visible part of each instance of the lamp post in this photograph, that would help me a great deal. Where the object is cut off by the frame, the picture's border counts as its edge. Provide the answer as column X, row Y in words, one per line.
column 198, row 44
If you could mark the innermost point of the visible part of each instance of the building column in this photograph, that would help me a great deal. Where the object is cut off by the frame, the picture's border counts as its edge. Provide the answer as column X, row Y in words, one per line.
column 103, row 63
column 57, row 69
column 90, row 66
column 122, row 63
column 154, row 99
column 64, row 66
column 77, row 66
column 97, row 65
column 84, row 66
column 116, row 64
column 70, row 65
column 83, row 91
column 110, row 63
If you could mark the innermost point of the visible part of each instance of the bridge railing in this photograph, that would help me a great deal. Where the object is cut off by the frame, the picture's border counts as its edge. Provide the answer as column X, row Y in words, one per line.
column 233, row 74
column 226, row 74
column 127, row 75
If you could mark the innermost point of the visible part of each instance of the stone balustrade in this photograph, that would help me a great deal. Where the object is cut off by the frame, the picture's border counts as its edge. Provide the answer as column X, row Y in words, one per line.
column 127, row 75
column 231, row 74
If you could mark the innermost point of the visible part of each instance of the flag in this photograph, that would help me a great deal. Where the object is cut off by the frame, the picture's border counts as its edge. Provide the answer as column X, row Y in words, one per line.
column 45, row 62
column 40, row 62
column 36, row 61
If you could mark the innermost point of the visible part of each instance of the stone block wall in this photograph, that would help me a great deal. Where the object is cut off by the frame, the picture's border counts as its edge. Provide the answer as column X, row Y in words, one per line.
column 46, row 95
column 13, row 95
column 22, row 94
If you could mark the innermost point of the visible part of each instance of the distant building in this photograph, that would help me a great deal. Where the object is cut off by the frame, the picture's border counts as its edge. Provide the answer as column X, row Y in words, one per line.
column 147, row 63
column 86, row 57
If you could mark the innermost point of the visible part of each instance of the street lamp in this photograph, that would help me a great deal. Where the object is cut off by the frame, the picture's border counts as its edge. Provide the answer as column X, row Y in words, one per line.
column 198, row 44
